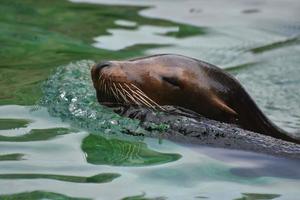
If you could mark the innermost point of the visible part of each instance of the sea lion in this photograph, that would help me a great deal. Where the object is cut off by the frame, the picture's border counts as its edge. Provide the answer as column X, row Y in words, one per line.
column 169, row 79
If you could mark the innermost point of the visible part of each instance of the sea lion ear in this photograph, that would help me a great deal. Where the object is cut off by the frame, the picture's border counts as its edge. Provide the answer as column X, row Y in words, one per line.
column 171, row 80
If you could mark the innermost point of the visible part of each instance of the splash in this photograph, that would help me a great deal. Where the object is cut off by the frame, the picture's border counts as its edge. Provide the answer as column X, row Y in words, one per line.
column 69, row 94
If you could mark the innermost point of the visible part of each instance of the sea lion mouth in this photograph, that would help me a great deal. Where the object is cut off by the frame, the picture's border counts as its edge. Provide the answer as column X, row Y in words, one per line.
column 113, row 92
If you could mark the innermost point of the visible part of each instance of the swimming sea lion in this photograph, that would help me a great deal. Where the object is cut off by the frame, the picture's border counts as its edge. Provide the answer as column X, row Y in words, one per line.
column 169, row 79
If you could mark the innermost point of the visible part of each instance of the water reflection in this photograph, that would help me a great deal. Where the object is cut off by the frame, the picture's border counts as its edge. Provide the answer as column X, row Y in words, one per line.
column 102, row 151
column 143, row 35
column 98, row 178
column 225, row 47
column 12, row 156
column 37, row 195
column 13, row 123
column 36, row 135
column 253, row 196
column 143, row 197
column 209, row 13
column 125, row 23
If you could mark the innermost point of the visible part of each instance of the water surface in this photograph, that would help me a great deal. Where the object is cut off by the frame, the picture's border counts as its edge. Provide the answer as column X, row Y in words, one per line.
column 57, row 142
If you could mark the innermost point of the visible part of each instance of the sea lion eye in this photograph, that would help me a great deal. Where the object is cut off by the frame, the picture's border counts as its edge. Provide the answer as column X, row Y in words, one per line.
column 172, row 80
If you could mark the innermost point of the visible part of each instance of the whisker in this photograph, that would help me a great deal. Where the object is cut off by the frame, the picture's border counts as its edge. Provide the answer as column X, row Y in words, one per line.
column 122, row 95
column 100, row 80
column 143, row 101
column 103, row 83
column 116, row 93
column 109, row 88
column 149, row 99
column 100, row 76
column 105, row 87
column 140, row 98
column 125, row 93
column 129, row 95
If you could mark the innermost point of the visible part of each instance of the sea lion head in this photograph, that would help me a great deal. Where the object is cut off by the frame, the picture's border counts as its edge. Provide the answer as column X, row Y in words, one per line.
column 143, row 82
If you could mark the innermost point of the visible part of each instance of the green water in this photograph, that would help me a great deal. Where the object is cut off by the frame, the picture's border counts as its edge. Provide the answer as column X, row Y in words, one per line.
column 57, row 142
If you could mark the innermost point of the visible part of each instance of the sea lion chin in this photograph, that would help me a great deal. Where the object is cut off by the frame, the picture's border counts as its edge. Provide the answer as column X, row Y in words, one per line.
column 169, row 79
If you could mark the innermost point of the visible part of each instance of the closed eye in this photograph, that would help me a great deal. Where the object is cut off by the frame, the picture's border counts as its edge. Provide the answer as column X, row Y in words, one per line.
column 172, row 80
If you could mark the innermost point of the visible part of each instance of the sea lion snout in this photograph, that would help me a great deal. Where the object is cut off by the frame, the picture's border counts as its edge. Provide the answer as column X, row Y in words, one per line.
column 96, row 70
column 99, row 66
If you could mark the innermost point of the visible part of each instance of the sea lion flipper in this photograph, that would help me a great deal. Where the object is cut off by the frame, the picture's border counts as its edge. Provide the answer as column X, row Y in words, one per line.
column 222, row 105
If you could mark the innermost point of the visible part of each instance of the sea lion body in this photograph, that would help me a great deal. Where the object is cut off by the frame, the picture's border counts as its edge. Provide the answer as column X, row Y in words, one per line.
column 177, row 80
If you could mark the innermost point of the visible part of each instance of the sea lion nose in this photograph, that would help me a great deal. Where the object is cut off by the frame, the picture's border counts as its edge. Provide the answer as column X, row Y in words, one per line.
column 101, row 65
column 95, row 71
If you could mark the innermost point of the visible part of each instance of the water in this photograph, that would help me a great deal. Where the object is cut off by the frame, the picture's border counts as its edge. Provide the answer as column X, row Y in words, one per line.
column 149, row 167
column 70, row 147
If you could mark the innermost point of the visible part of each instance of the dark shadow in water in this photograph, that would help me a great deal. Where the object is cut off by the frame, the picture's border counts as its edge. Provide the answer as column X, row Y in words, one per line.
column 271, row 168
column 36, row 135
column 237, row 68
column 201, row 197
column 188, row 176
column 255, row 196
column 37, row 195
column 13, row 156
column 268, row 166
column 98, row 178
column 264, row 165
column 143, row 197
column 276, row 45
column 251, row 11
column 13, row 123
column 103, row 151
